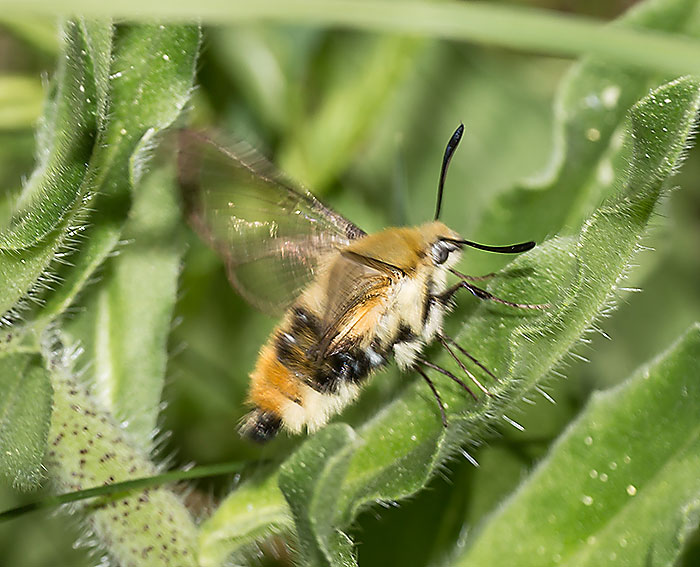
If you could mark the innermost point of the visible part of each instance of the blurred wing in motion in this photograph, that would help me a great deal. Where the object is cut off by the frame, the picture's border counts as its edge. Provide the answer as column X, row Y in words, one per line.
column 271, row 235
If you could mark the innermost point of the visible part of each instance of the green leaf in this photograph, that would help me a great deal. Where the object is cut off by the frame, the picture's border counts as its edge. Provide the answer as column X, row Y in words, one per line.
column 622, row 485
column 151, row 79
column 98, row 41
column 132, row 118
column 405, row 443
column 49, row 201
column 250, row 513
column 101, row 239
column 309, row 482
column 577, row 276
column 125, row 327
column 324, row 139
column 591, row 109
column 70, row 127
column 88, row 449
column 25, row 409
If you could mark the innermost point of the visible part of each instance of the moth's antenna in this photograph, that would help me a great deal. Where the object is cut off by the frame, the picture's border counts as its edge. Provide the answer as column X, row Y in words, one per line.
column 510, row 249
column 449, row 150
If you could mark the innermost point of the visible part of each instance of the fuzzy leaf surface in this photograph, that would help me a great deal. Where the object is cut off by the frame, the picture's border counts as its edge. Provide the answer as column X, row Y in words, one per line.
column 625, row 476
column 25, row 410
column 125, row 331
column 310, row 482
column 129, row 117
column 576, row 275
column 68, row 133
column 128, row 317
column 50, row 198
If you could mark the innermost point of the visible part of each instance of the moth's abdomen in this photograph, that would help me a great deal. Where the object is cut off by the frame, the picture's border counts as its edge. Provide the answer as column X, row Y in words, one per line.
column 273, row 387
column 293, row 387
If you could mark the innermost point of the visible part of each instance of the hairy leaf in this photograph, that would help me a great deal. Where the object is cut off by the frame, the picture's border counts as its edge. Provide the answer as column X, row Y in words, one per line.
column 69, row 134
column 51, row 197
column 576, row 275
column 592, row 107
column 25, row 408
column 621, row 485
column 125, row 327
column 98, row 36
column 310, row 482
column 88, row 448
column 128, row 118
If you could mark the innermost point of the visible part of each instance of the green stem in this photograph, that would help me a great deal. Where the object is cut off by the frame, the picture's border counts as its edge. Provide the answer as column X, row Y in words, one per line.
column 122, row 488
column 507, row 26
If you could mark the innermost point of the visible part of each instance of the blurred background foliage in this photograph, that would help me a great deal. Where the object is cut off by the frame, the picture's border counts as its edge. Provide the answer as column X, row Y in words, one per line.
column 362, row 120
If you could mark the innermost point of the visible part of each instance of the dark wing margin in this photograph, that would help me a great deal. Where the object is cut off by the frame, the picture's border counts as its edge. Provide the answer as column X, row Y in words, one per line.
column 271, row 235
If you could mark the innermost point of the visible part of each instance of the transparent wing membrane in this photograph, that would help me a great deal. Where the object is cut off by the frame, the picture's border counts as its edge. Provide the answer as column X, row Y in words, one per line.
column 272, row 236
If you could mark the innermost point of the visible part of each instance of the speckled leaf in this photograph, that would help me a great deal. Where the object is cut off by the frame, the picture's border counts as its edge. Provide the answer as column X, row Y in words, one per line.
column 88, row 448
column 25, row 410
column 151, row 78
column 310, row 481
column 98, row 41
column 622, row 485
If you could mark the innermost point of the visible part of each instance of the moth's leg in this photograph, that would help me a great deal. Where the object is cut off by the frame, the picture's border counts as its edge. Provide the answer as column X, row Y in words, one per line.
column 435, row 393
column 468, row 355
column 448, row 374
column 483, row 294
column 462, row 276
column 463, row 367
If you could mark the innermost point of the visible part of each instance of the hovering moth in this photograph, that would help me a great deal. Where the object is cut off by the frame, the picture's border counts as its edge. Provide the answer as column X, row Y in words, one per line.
column 349, row 300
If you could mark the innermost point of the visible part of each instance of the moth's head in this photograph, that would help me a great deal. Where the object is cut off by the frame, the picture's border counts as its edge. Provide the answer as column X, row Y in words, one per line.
column 442, row 244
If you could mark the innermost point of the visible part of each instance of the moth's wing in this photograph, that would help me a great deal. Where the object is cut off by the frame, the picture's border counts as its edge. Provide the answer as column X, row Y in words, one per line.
column 272, row 236
column 356, row 298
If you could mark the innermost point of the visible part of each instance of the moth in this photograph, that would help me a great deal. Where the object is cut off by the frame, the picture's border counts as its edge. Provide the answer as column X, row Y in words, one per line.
column 349, row 300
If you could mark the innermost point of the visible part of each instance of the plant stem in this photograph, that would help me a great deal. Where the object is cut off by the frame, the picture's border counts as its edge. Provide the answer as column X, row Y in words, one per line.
column 506, row 26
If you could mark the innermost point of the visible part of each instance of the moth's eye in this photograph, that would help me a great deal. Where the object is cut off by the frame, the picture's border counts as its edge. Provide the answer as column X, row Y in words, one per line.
column 441, row 250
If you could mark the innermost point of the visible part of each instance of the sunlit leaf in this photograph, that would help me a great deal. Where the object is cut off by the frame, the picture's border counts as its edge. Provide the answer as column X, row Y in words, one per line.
column 621, row 485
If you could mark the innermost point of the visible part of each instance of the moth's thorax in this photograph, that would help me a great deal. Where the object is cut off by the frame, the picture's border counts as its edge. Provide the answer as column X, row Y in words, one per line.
column 404, row 247
column 414, row 316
